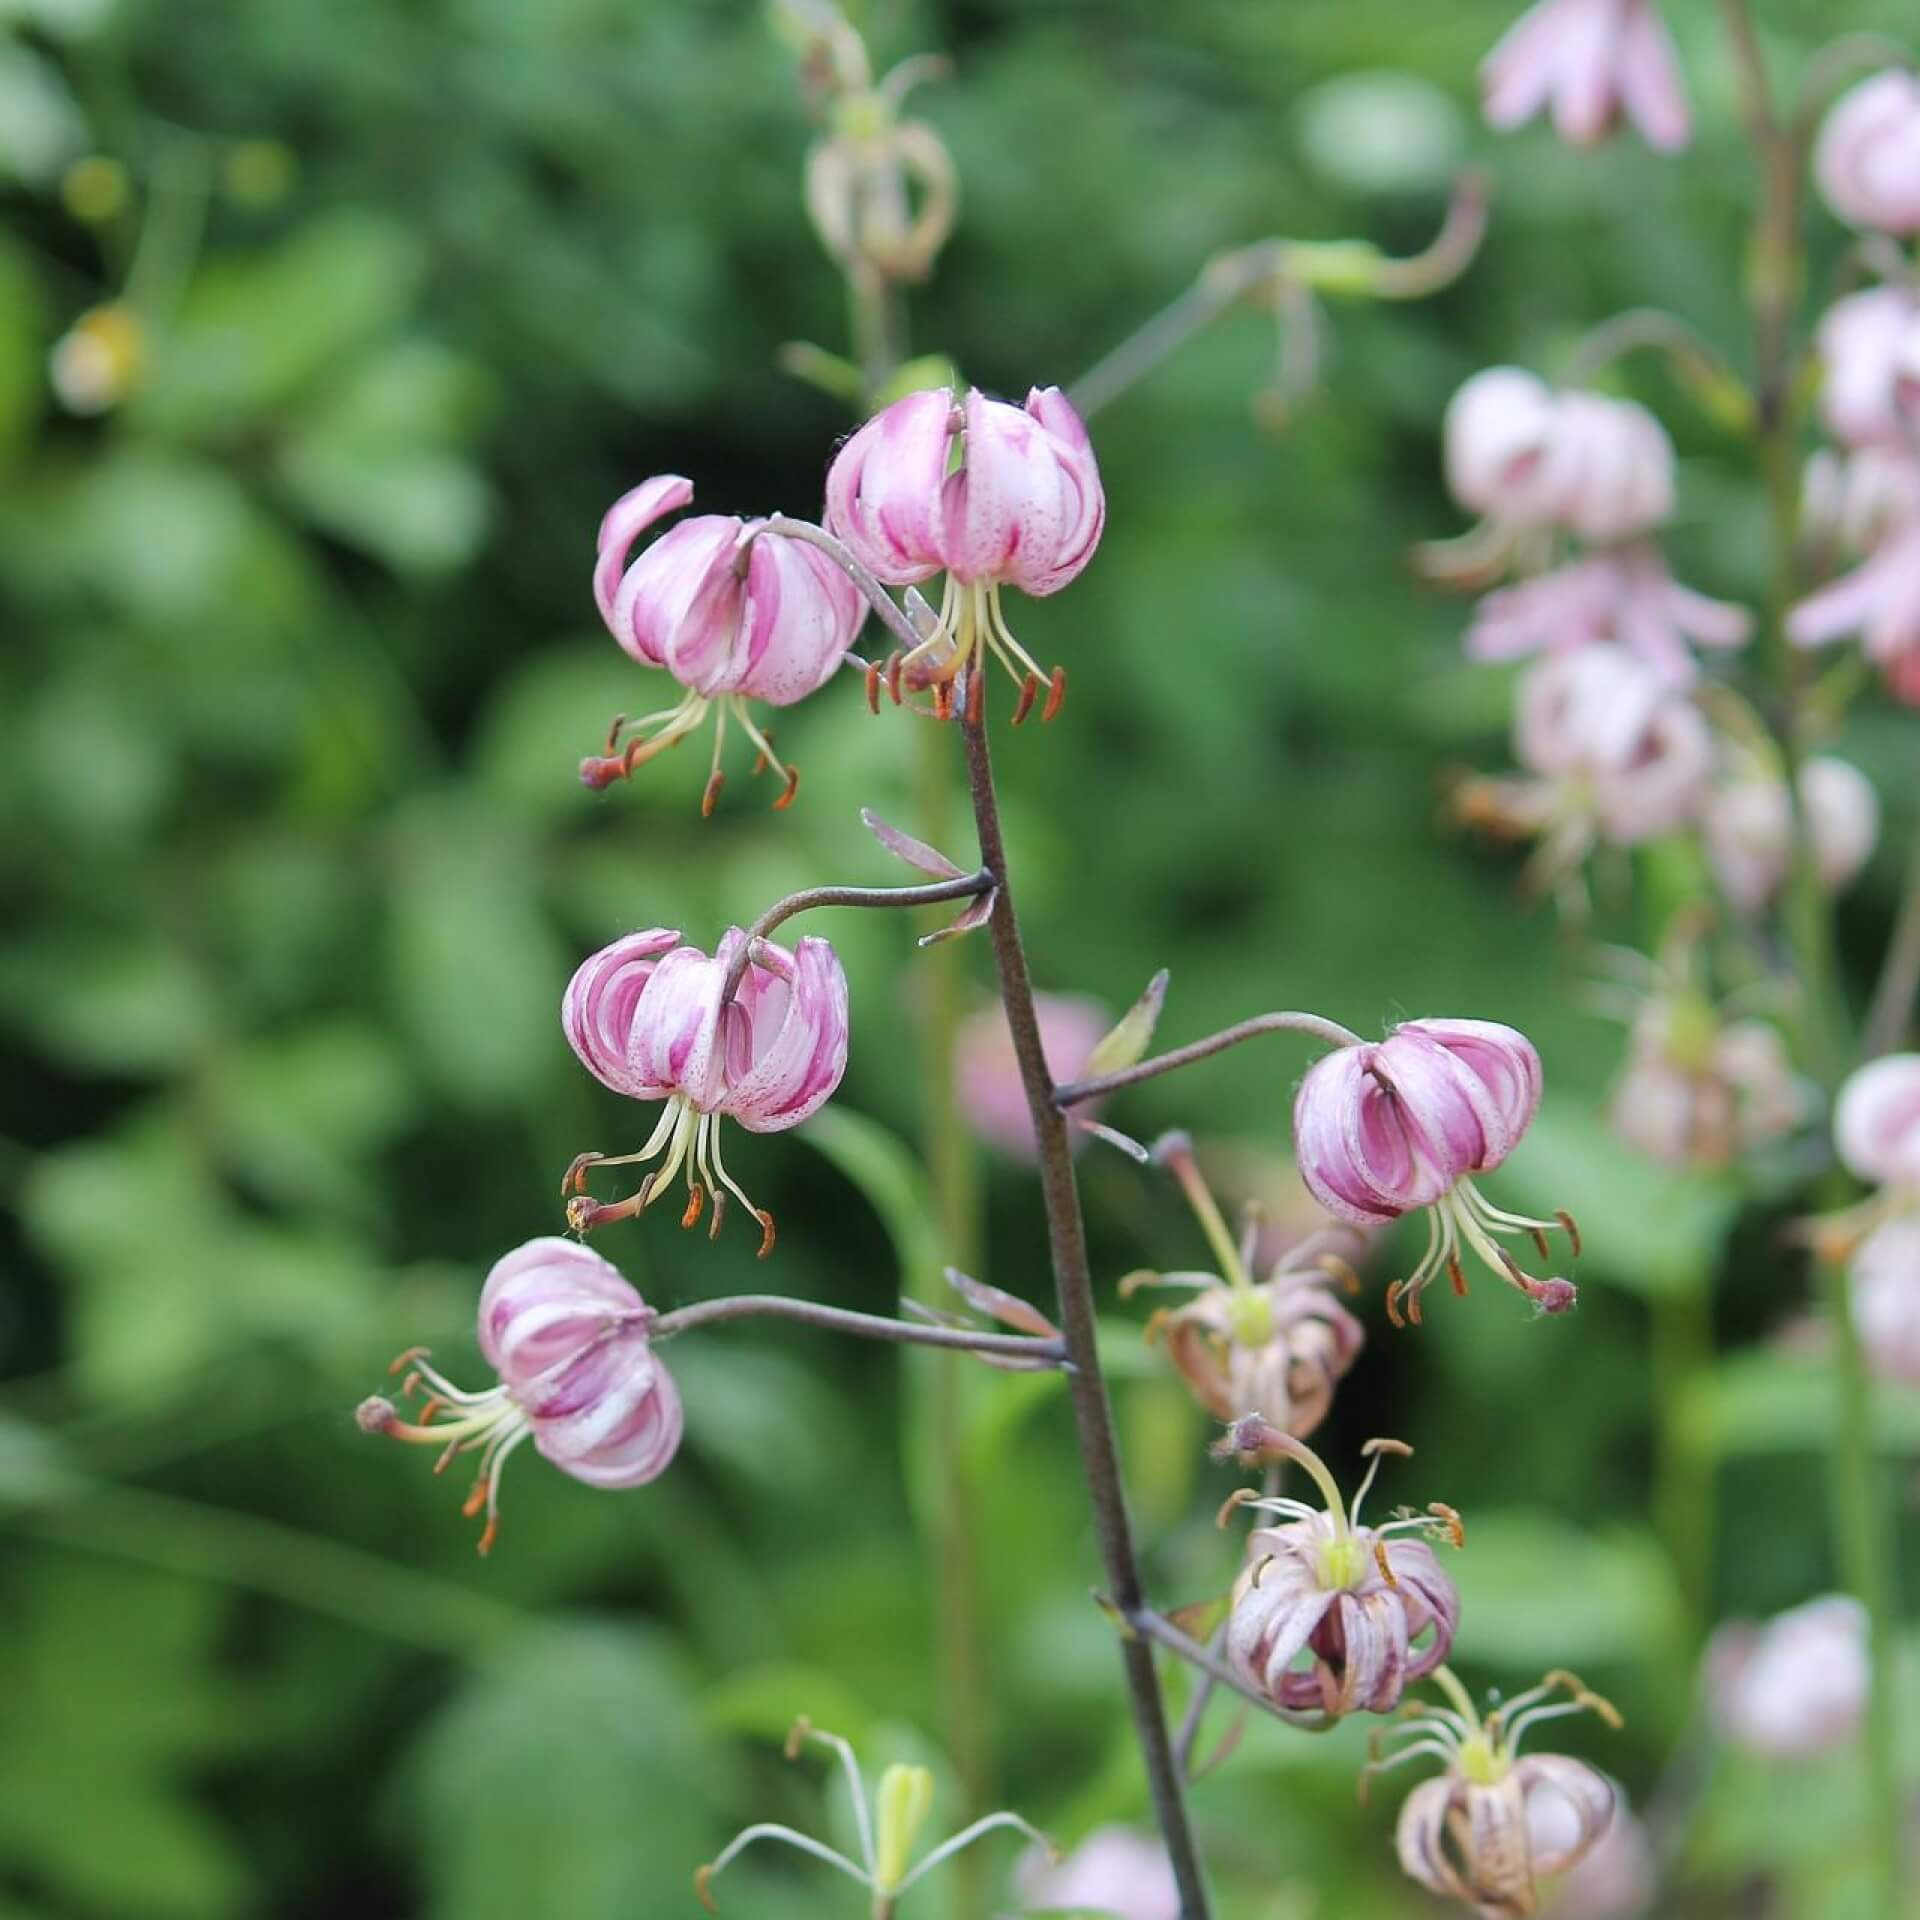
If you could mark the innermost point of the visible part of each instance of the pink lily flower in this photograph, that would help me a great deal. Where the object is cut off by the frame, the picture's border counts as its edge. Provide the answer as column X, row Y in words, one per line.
column 1589, row 63
column 1867, row 158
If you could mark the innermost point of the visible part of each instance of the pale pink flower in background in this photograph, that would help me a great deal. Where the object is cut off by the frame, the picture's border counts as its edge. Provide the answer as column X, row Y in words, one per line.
column 1867, row 158
column 1859, row 498
column 1699, row 1092
column 649, row 1018
column 1885, row 1295
column 1869, row 347
column 1748, row 828
column 570, row 1342
column 1024, row 508
column 1793, row 1686
column 1615, row 1878
column 1496, row 1820
column 1624, row 595
column 1399, row 1127
column 1367, row 1609
column 1632, row 753
column 1876, row 1121
column 1114, row 1872
column 734, row 614
column 987, row 1070
column 1499, row 426
column 1589, row 63
column 1880, row 601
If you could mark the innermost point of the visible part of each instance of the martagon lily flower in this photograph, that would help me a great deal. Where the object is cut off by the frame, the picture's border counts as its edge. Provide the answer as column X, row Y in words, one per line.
column 1589, row 62
column 733, row 613
column 1368, row 1608
column 1023, row 507
column 1277, row 1347
column 1401, row 1126
column 1479, row 1833
column 1867, row 159
column 570, row 1342
column 651, row 1018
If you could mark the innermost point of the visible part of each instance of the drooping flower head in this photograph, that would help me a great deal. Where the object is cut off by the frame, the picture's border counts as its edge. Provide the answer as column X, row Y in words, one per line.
column 1869, row 346
column 1023, row 507
column 886, row 1831
column 1589, row 63
column 1747, row 824
column 1883, row 1294
column 655, row 1019
column 1480, row 1833
column 1876, row 1122
column 732, row 612
column 1795, row 1685
column 1867, row 158
column 571, row 1343
column 1401, row 1126
column 1330, row 1616
column 1275, row 1348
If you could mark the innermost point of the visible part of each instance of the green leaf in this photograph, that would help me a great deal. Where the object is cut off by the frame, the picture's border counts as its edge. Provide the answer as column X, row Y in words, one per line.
column 114, row 1699
column 1767, row 1401
column 763, row 1701
column 1127, row 1044
column 567, row 1779
column 1538, row 1592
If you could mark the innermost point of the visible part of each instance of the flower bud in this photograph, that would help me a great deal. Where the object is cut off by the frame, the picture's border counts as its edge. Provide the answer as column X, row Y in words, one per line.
column 1589, row 63
column 732, row 613
column 1867, row 158
column 1876, row 1121
column 1795, row 1685
column 99, row 361
column 569, row 1340
column 1498, row 428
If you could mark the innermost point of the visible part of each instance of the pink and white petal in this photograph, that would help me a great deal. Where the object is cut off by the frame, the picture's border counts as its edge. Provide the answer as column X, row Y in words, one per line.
column 802, row 614
column 658, row 592
column 798, row 1062
column 883, row 488
column 1651, row 86
column 623, row 523
column 535, row 1278
column 1517, row 75
column 1420, row 1838
column 1592, row 1797
column 601, row 1003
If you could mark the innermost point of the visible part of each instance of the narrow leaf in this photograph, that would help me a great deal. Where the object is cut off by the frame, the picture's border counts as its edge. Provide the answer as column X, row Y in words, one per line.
column 903, row 846
column 1127, row 1044
column 978, row 910
column 1008, row 1308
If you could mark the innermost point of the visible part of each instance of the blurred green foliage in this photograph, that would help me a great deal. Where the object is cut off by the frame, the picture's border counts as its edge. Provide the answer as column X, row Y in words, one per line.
column 300, row 658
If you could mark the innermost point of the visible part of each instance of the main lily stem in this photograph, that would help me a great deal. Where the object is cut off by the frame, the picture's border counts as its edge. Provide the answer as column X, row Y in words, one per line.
column 1073, row 1280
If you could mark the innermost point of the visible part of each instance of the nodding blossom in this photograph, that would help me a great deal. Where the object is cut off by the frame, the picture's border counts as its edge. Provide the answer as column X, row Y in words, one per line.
column 1869, row 347
column 1401, row 1126
column 1747, row 824
column 1884, row 1296
column 1275, row 1348
column 1793, row 1686
column 732, row 612
column 1330, row 1616
column 1114, row 1872
column 1589, row 63
column 886, row 1831
column 1876, row 1124
column 571, row 1343
column 652, row 1019
column 1614, row 755
column 1867, row 158
column 1880, row 598
column 1497, row 1820
column 1023, row 507
column 1624, row 595
column 1526, row 455
column 987, row 1080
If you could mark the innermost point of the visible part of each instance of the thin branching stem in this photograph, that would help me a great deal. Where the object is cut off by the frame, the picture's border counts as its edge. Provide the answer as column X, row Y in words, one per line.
column 1313, row 1025
column 865, row 1326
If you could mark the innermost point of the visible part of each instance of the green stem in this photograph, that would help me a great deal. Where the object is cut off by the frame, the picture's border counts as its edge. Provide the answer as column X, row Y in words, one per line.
column 1774, row 278
column 1683, row 1476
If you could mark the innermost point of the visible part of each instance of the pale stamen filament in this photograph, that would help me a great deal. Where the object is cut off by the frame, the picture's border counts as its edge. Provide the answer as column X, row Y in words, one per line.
column 967, row 1836
column 768, row 1830
column 856, row 1785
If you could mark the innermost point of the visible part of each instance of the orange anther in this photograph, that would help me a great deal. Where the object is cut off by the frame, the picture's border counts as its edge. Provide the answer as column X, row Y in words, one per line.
column 1029, row 693
column 1056, row 693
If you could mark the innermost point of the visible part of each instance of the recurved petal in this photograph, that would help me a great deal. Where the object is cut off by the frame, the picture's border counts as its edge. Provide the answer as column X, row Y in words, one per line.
column 1420, row 1837
column 681, row 597
column 884, row 488
column 1651, row 87
column 1504, row 1061
column 798, row 1049
column 802, row 614
column 1368, row 1652
column 623, row 523
column 1591, row 1796
column 674, row 1044
column 1274, row 1614
column 542, row 1301
column 602, row 1002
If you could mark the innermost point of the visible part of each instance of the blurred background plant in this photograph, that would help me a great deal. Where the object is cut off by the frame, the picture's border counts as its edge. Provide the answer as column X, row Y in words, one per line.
column 326, row 334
